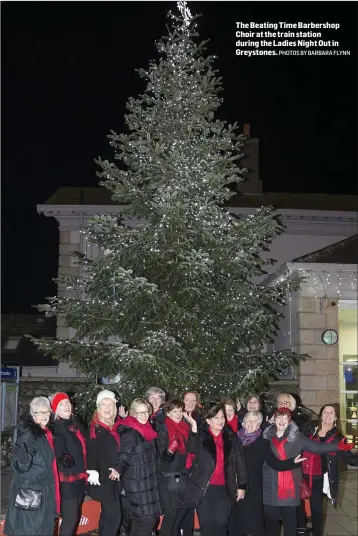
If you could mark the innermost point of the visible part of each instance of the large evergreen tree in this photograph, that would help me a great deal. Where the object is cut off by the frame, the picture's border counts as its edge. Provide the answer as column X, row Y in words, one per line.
column 172, row 302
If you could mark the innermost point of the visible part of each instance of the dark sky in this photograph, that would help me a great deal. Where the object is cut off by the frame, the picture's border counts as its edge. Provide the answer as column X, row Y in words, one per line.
column 68, row 70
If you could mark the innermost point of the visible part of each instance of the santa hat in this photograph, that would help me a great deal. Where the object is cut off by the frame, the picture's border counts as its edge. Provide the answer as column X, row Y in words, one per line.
column 284, row 411
column 56, row 399
column 105, row 394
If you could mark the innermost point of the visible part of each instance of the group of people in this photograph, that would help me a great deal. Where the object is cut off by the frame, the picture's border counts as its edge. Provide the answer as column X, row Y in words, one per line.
column 242, row 471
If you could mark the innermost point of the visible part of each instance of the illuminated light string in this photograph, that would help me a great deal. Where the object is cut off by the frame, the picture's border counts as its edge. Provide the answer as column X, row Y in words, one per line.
column 335, row 284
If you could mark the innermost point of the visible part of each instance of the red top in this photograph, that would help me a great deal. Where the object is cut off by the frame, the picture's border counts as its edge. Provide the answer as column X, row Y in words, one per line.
column 218, row 476
column 234, row 423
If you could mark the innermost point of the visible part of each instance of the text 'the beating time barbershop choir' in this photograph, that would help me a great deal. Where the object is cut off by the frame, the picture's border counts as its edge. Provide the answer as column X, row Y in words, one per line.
column 236, row 469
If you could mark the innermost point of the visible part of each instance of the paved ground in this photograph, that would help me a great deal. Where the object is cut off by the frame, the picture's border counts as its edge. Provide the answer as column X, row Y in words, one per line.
column 341, row 521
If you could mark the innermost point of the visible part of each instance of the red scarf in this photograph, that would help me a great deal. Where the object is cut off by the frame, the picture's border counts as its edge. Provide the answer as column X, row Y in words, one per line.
column 234, row 423
column 286, row 484
column 312, row 465
column 180, row 431
column 145, row 430
column 96, row 422
column 54, row 470
column 218, row 476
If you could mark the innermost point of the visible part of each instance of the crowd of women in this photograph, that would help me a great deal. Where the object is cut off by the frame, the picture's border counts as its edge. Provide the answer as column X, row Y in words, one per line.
column 244, row 472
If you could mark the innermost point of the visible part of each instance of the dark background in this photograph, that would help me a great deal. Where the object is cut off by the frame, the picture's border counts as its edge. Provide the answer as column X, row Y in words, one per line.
column 68, row 70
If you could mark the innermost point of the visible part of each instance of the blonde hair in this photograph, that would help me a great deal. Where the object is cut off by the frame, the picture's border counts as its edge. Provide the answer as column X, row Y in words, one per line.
column 109, row 422
column 139, row 402
column 290, row 398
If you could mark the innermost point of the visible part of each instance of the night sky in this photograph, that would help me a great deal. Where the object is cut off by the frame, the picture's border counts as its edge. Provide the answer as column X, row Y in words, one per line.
column 68, row 70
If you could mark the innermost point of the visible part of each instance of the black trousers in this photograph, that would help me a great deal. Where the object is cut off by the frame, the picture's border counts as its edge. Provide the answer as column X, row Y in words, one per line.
column 142, row 526
column 110, row 518
column 71, row 515
column 273, row 515
column 214, row 512
column 187, row 525
column 172, row 521
column 316, row 502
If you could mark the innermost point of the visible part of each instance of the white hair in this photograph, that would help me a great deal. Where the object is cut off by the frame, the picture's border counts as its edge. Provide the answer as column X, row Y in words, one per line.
column 37, row 402
column 156, row 391
column 290, row 398
column 256, row 414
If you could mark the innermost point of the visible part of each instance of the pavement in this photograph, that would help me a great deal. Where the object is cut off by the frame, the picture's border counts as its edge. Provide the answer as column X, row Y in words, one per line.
column 340, row 521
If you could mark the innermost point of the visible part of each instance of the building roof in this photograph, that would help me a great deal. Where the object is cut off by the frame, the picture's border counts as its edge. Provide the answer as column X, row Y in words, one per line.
column 16, row 349
column 342, row 252
column 101, row 196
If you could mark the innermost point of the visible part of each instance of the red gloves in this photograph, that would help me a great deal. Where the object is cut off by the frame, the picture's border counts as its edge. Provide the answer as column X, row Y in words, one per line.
column 173, row 445
column 342, row 445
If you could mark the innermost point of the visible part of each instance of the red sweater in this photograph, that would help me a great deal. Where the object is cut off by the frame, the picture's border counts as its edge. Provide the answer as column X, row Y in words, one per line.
column 218, row 476
column 234, row 423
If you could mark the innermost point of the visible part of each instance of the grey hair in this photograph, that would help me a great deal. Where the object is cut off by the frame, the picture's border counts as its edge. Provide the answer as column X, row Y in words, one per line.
column 155, row 391
column 37, row 402
column 257, row 414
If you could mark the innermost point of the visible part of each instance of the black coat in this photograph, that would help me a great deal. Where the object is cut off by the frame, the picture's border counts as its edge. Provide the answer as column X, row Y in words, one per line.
column 205, row 461
column 249, row 511
column 70, row 458
column 332, row 461
column 102, row 453
column 137, row 464
column 32, row 459
column 172, row 463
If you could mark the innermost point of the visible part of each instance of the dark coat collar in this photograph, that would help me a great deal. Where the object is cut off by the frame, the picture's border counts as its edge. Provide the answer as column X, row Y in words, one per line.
column 28, row 425
column 209, row 443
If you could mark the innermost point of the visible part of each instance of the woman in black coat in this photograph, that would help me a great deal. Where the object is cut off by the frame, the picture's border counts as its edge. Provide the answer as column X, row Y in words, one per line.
column 70, row 449
column 137, row 465
column 218, row 477
column 249, row 518
column 322, row 471
column 175, row 442
column 102, row 450
column 34, row 498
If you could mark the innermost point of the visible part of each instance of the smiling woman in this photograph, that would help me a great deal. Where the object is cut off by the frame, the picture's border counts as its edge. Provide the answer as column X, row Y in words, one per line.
column 71, row 461
column 34, row 498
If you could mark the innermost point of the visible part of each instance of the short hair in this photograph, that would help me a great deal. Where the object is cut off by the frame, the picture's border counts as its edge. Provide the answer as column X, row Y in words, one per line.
column 281, row 412
column 257, row 414
column 173, row 404
column 139, row 402
column 156, row 391
column 37, row 402
column 193, row 392
column 253, row 395
column 213, row 410
column 291, row 399
column 228, row 401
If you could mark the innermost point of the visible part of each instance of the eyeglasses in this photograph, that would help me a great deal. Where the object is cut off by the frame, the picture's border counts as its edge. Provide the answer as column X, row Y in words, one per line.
column 42, row 413
column 284, row 403
column 142, row 414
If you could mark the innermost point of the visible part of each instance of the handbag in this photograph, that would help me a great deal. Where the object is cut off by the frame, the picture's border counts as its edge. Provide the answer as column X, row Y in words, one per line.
column 305, row 490
column 175, row 482
column 28, row 499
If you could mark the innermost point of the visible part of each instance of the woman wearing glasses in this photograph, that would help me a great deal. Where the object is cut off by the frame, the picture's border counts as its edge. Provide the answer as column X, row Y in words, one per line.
column 137, row 466
column 102, row 449
column 34, row 498
column 70, row 449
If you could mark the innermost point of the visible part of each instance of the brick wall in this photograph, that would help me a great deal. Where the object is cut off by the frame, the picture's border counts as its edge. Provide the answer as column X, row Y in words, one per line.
column 319, row 375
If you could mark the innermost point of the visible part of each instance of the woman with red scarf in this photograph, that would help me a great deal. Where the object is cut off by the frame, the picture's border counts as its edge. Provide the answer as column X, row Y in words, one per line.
column 322, row 472
column 137, row 465
column 102, row 450
column 232, row 418
column 281, row 491
column 34, row 497
column 70, row 450
column 176, row 445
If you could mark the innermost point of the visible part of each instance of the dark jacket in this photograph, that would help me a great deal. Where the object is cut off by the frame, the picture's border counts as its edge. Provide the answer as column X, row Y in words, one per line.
column 296, row 443
column 205, row 462
column 102, row 450
column 172, row 463
column 332, row 461
column 249, row 511
column 32, row 459
column 137, row 464
column 70, row 456
column 157, row 419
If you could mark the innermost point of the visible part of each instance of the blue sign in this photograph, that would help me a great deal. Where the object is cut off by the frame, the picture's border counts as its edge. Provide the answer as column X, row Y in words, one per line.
column 8, row 373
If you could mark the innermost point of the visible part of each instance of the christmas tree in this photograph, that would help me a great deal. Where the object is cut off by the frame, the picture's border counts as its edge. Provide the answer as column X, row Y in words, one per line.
column 172, row 301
